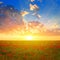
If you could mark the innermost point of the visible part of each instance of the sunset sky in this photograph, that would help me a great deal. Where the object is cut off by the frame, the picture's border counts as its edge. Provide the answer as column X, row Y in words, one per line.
column 47, row 12
column 48, row 9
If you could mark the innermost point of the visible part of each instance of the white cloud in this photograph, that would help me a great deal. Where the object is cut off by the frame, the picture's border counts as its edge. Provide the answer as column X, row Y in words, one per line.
column 34, row 13
column 33, row 7
column 1, row 2
column 24, row 13
column 37, row 15
column 32, row 0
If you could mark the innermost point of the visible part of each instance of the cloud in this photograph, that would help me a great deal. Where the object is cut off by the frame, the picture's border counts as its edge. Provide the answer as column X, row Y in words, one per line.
column 32, row 0
column 9, row 20
column 52, row 25
column 55, row 25
column 37, row 15
column 13, row 21
column 33, row 7
column 1, row 2
column 34, row 13
column 24, row 13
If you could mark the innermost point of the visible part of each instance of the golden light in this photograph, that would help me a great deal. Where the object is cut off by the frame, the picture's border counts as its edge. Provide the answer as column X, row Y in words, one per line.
column 29, row 37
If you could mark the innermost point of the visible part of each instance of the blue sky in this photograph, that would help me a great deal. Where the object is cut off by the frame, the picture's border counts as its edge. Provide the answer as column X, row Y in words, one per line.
column 48, row 9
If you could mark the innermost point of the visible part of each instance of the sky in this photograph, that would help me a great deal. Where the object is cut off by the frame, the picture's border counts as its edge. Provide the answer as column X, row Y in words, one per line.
column 49, row 10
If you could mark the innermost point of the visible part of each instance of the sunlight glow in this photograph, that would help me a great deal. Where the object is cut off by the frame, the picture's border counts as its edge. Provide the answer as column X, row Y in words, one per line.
column 29, row 37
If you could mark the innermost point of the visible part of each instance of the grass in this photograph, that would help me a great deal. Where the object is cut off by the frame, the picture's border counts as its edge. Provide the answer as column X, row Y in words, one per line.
column 29, row 50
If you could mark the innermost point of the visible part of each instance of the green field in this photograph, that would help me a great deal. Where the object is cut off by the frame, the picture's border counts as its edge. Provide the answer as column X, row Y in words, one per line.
column 29, row 50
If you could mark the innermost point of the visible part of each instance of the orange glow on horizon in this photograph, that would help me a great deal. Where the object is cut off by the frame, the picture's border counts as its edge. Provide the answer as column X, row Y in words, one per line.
column 25, row 37
column 29, row 31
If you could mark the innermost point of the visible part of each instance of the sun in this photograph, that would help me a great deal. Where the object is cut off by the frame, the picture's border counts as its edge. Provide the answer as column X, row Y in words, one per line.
column 29, row 37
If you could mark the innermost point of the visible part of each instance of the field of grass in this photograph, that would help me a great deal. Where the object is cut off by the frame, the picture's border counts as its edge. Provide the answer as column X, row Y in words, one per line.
column 29, row 50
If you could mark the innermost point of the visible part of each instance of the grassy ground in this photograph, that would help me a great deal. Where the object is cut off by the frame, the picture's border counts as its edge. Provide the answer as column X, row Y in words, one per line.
column 29, row 50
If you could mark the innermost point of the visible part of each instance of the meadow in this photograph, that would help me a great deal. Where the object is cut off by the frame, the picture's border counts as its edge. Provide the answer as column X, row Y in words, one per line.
column 29, row 50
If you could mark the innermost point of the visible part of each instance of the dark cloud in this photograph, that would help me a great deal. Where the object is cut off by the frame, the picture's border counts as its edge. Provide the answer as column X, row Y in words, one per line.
column 9, row 17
